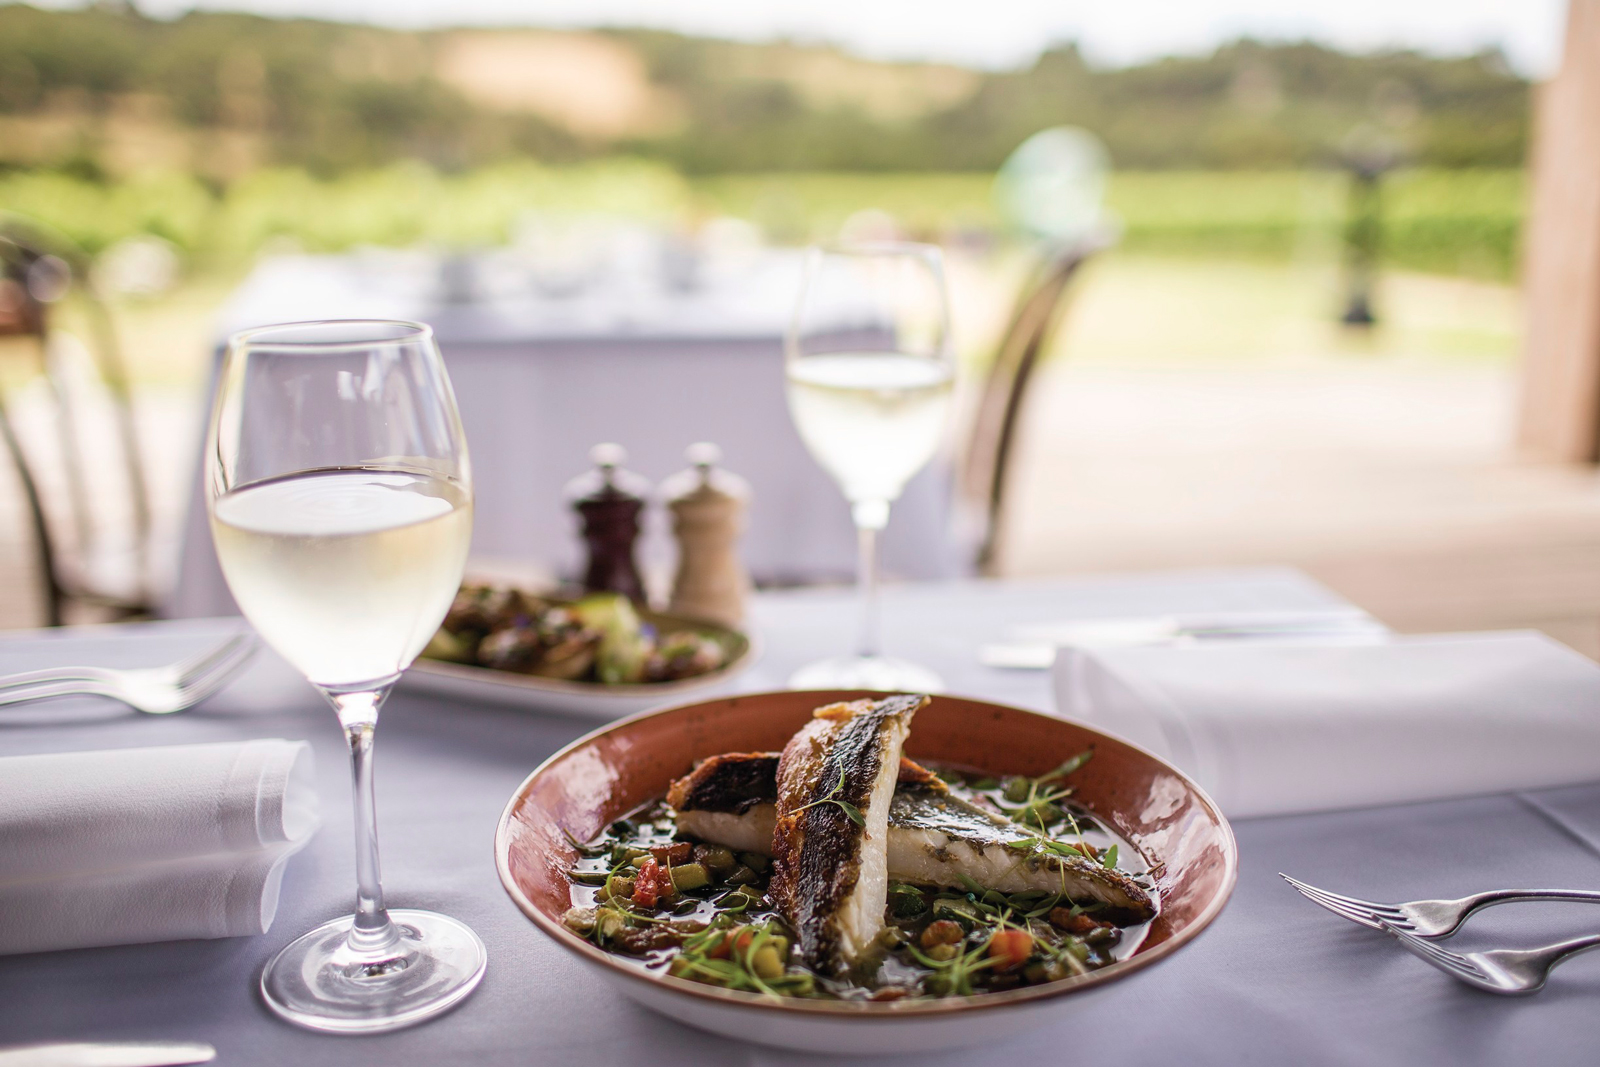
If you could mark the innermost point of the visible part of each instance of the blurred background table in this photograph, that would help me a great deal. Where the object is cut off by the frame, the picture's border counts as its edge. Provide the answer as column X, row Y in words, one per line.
column 1274, row 981
column 545, row 368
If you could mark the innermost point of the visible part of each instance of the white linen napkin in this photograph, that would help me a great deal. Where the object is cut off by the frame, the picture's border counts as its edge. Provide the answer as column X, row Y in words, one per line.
column 1271, row 729
column 149, row 844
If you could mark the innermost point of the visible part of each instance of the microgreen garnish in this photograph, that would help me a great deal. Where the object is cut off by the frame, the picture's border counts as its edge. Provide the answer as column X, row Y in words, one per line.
column 851, row 812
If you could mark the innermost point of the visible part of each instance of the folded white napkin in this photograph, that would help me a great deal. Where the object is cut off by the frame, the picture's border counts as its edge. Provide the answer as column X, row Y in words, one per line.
column 1271, row 729
column 149, row 844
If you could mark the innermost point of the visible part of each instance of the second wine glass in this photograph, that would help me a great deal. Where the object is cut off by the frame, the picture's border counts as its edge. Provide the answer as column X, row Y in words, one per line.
column 870, row 375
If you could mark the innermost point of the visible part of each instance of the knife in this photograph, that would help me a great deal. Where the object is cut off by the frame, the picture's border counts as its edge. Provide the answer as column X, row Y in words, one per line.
column 108, row 1054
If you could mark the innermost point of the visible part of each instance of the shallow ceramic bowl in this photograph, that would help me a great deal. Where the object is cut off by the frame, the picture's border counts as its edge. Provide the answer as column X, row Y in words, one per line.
column 599, row 778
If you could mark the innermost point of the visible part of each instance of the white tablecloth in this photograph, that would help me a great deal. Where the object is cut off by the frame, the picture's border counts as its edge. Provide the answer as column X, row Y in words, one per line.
column 1275, row 981
column 540, row 380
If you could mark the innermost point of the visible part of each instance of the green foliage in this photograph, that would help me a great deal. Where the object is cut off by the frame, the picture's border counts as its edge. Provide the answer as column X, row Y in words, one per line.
column 1446, row 221
column 333, row 98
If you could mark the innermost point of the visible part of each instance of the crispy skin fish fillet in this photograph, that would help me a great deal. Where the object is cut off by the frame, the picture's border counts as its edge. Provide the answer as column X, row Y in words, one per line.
column 934, row 838
column 830, row 876
column 732, row 799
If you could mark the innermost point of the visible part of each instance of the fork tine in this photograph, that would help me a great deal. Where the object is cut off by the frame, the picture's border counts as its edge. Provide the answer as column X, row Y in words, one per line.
column 218, row 675
column 1342, row 906
column 1364, row 918
column 1452, row 961
column 1377, row 907
column 223, row 660
column 202, row 662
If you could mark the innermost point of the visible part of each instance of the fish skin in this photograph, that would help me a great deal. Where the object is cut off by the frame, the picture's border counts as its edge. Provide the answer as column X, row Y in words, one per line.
column 830, row 877
column 933, row 837
column 936, row 838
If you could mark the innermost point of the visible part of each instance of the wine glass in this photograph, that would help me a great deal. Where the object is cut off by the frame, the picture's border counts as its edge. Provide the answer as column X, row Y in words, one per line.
column 340, row 497
column 870, row 373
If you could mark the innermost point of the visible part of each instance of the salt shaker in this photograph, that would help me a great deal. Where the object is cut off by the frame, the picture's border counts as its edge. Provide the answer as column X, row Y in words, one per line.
column 708, row 507
column 608, row 501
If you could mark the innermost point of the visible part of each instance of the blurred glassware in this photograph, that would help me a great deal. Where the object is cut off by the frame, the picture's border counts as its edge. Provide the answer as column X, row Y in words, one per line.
column 871, row 399
column 1052, row 187
column 145, row 265
column 566, row 254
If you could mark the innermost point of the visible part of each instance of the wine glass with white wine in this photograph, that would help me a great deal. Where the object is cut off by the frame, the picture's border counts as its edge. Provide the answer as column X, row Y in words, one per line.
column 870, row 374
column 341, row 505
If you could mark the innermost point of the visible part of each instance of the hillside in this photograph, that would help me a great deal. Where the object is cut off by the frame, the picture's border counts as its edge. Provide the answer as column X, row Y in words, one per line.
column 102, row 90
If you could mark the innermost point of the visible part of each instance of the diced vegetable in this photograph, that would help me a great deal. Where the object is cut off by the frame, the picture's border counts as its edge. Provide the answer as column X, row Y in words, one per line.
column 651, row 885
column 766, row 962
column 741, row 875
column 942, row 932
column 906, row 901
column 715, row 858
column 755, row 861
column 690, row 876
column 1011, row 948
column 617, row 888
column 677, row 852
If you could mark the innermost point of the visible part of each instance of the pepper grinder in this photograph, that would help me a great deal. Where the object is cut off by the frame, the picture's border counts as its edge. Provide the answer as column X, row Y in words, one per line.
column 708, row 507
column 608, row 501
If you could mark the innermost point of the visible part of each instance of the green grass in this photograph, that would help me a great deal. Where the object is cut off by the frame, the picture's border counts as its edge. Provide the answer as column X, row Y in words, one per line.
column 1452, row 222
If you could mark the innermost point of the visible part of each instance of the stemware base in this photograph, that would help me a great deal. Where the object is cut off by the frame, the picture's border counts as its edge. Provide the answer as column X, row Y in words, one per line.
column 866, row 672
column 316, row 982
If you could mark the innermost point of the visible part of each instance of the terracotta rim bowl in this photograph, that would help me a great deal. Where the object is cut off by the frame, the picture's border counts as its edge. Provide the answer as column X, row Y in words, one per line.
column 604, row 775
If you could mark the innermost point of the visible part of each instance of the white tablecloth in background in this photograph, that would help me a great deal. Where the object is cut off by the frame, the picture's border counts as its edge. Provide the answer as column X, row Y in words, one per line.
column 540, row 380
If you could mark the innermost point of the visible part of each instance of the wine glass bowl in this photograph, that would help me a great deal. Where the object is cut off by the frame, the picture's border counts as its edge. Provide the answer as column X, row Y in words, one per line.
column 870, row 374
column 340, row 497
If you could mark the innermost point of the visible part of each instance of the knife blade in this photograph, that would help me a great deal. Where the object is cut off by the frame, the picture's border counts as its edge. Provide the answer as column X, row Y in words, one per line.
column 108, row 1054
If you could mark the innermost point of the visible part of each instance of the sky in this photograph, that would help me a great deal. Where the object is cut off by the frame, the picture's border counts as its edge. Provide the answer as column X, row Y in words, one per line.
column 996, row 33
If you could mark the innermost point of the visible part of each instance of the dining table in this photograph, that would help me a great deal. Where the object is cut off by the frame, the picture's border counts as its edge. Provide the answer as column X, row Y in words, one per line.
column 1275, row 980
column 626, row 357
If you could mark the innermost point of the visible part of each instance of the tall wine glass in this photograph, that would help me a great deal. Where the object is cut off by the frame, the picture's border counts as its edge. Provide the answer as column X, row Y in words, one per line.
column 341, row 505
column 870, row 373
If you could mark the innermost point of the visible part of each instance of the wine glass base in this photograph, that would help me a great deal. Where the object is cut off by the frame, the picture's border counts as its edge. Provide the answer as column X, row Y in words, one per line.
column 314, row 983
column 866, row 672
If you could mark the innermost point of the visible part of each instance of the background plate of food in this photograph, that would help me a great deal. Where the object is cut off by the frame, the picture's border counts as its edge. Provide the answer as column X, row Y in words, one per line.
column 596, row 656
column 864, row 873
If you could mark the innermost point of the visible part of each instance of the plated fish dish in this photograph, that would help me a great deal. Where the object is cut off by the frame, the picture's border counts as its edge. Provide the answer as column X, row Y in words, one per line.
column 839, row 869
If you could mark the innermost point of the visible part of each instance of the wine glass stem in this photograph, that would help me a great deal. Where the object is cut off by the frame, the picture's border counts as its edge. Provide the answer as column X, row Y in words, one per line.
column 870, row 516
column 372, row 935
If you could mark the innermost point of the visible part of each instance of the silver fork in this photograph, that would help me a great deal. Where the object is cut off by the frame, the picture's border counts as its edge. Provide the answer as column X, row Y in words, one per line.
column 152, row 690
column 1510, row 972
column 1428, row 918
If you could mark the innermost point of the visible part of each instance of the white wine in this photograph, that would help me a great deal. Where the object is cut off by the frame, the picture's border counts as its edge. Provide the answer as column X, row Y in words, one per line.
column 348, row 572
column 872, row 420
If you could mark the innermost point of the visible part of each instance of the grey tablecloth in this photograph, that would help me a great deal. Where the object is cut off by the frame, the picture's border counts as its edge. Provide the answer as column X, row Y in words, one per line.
column 1276, row 981
column 540, row 381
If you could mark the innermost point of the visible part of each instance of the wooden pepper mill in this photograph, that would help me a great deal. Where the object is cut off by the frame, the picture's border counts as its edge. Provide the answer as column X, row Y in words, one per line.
column 708, row 507
column 608, row 501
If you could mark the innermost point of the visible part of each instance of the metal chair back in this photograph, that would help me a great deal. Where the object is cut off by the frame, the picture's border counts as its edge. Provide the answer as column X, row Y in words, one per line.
column 39, row 270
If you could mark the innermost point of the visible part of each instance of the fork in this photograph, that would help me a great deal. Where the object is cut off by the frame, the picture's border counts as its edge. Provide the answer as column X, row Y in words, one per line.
column 152, row 690
column 1510, row 972
column 1428, row 918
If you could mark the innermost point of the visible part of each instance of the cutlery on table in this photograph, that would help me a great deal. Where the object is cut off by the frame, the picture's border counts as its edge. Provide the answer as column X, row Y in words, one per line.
column 108, row 1054
column 1429, row 918
column 152, row 690
column 1510, row 972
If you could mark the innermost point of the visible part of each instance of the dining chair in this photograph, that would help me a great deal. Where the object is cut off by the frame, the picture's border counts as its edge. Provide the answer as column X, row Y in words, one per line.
column 1035, row 319
column 63, row 495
